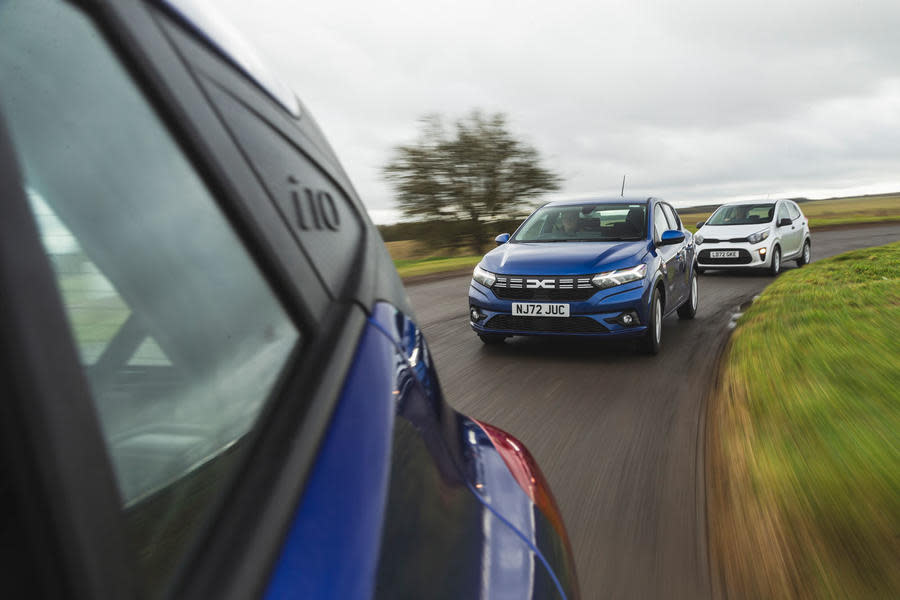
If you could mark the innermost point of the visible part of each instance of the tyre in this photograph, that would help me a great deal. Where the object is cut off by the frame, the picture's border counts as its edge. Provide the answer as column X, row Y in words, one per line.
column 689, row 308
column 491, row 339
column 775, row 266
column 805, row 255
column 653, row 336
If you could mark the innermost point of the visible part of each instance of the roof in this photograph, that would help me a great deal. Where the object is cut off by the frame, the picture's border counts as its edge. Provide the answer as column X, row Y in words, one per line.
column 227, row 41
column 739, row 202
column 602, row 200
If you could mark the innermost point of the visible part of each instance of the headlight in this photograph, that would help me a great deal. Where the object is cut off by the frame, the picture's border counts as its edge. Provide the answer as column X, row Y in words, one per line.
column 699, row 239
column 758, row 236
column 618, row 277
column 483, row 277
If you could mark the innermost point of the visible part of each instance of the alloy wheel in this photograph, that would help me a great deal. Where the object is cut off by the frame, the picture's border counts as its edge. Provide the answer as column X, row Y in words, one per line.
column 657, row 318
column 694, row 293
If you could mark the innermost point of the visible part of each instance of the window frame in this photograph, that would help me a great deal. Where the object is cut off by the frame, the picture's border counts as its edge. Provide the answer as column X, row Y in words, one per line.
column 782, row 212
column 657, row 236
column 669, row 211
column 234, row 554
column 61, row 463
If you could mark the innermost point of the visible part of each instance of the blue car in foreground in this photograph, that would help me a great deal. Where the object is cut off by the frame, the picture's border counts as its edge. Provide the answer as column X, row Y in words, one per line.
column 606, row 268
column 211, row 382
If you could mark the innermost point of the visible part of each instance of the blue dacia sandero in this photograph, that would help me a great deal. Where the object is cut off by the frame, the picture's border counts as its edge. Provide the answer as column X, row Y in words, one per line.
column 609, row 267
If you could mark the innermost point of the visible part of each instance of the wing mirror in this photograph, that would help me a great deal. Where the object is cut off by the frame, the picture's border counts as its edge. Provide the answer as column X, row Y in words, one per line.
column 785, row 222
column 502, row 239
column 700, row 224
column 670, row 237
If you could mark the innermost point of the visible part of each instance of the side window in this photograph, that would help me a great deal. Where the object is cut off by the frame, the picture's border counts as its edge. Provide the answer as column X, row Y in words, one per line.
column 782, row 212
column 180, row 337
column 659, row 223
column 672, row 217
column 793, row 210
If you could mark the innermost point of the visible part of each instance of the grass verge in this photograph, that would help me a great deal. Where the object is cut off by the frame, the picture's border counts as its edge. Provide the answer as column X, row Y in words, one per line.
column 435, row 264
column 804, row 436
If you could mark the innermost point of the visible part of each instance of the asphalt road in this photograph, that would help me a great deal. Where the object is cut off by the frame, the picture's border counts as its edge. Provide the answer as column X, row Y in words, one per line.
column 619, row 435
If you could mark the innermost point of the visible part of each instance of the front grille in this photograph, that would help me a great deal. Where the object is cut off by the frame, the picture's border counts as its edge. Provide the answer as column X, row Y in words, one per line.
column 541, row 287
column 730, row 241
column 548, row 324
column 743, row 257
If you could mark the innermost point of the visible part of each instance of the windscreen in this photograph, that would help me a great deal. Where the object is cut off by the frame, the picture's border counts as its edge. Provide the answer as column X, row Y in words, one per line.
column 742, row 214
column 588, row 222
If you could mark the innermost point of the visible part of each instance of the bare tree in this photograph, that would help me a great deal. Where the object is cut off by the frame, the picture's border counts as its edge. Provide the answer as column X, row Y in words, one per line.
column 477, row 172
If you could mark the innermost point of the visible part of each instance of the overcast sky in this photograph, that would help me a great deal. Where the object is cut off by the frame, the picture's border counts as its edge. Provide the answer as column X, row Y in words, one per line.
column 694, row 101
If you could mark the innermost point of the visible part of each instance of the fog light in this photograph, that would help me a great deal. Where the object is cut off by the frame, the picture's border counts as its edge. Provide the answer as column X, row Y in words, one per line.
column 762, row 253
column 475, row 315
column 626, row 319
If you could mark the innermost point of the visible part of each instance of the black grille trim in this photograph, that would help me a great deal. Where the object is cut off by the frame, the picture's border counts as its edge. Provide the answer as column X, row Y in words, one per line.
column 743, row 257
column 730, row 241
column 565, row 288
column 546, row 324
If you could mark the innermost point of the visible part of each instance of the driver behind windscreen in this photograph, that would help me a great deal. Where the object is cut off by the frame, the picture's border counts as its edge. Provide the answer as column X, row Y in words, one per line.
column 570, row 221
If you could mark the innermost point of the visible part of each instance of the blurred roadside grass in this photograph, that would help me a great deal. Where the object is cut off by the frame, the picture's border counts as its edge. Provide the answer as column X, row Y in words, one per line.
column 435, row 264
column 804, row 436
column 411, row 258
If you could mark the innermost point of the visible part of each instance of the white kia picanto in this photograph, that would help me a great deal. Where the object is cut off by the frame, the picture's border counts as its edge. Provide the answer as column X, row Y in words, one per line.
column 761, row 235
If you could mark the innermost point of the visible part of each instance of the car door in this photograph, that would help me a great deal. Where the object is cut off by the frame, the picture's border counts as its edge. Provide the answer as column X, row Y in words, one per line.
column 671, row 258
column 799, row 220
column 792, row 234
column 684, row 257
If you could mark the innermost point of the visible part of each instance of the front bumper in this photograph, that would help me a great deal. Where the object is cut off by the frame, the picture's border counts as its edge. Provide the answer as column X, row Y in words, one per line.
column 750, row 256
column 594, row 317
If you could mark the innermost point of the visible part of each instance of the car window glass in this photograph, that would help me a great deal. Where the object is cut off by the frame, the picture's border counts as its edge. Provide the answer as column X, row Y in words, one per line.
column 180, row 337
column 782, row 211
column 659, row 222
column 742, row 214
column 793, row 210
column 671, row 217
column 589, row 222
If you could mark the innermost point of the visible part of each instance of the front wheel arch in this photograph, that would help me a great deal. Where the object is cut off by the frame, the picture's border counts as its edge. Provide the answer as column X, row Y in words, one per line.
column 776, row 249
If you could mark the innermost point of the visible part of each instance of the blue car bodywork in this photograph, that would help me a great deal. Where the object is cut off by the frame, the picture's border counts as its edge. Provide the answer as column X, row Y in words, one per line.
column 135, row 133
column 541, row 270
column 444, row 516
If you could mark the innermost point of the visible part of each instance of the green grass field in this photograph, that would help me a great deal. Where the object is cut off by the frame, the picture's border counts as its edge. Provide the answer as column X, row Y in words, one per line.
column 804, row 436
column 435, row 264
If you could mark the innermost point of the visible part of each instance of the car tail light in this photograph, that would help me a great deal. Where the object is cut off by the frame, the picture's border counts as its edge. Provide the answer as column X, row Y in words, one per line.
column 528, row 475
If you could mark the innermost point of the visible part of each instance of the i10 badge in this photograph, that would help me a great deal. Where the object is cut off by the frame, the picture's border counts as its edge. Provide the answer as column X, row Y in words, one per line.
column 534, row 309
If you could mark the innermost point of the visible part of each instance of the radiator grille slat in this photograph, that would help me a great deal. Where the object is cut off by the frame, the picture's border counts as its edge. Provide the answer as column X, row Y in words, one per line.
column 544, row 287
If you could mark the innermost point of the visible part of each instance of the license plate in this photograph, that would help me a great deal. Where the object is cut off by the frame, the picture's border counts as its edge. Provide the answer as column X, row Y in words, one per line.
column 723, row 254
column 539, row 309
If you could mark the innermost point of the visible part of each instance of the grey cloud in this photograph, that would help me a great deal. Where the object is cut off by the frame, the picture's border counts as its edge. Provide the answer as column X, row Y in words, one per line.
column 694, row 100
